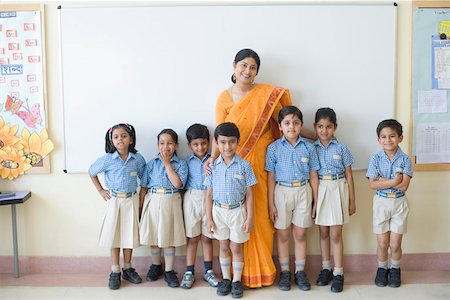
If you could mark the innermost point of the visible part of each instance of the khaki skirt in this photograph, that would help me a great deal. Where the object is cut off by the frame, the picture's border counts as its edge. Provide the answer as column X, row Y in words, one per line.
column 332, row 204
column 120, row 226
column 162, row 222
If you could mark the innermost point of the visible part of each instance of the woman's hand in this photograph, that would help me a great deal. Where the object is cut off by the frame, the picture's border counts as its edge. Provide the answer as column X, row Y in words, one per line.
column 273, row 213
column 207, row 165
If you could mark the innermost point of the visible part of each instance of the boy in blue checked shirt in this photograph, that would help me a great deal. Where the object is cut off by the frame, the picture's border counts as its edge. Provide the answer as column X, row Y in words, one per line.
column 229, row 206
column 293, row 183
column 389, row 173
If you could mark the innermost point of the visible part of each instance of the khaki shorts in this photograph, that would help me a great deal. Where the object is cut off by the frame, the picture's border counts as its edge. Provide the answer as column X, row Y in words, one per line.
column 120, row 223
column 332, row 203
column 390, row 214
column 162, row 222
column 194, row 212
column 294, row 206
column 229, row 224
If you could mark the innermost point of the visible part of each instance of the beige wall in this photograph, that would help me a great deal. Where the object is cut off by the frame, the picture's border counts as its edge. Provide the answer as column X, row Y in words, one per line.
column 63, row 216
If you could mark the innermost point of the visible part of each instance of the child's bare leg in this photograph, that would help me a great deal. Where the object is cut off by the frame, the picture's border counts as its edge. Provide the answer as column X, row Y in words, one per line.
column 238, row 260
column 300, row 246
column 115, row 256
column 395, row 244
column 207, row 248
column 382, row 246
column 191, row 250
column 338, row 245
column 127, row 253
column 225, row 258
column 283, row 242
column 325, row 246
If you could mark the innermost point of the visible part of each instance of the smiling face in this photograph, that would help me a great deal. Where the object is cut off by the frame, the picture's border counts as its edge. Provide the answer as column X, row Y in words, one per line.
column 199, row 147
column 245, row 70
column 389, row 140
column 325, row 130
column 166, row 144
column 291, row 126
column 227, row 146
column 121, row 140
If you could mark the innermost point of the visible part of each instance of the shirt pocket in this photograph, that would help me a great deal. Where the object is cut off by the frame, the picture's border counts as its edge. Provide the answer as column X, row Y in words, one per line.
column 239, row 180
column 336, row 161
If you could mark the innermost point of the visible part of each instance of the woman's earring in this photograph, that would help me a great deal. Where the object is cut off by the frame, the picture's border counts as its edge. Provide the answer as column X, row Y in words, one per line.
column 234, row 78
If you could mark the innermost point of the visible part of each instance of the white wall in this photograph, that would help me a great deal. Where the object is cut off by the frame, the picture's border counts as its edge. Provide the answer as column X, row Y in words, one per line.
column 63, row 216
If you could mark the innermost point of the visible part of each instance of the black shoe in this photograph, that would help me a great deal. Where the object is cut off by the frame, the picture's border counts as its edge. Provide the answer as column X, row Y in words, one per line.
column 302, row 281
column 114, row 281
column 237, row 290
column 131, row 275
column 154, row 272
column 224, row 287
column 324, row 278
column 171, row 278
column 394, row 278
column 284, row 283
column 338, row 284
column 382, row 277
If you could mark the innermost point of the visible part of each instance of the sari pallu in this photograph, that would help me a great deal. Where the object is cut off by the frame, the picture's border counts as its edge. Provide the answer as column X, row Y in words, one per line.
column 256, row 117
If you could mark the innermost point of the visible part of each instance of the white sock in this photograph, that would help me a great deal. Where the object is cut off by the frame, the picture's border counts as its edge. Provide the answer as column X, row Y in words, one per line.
column 284, row 263
column 300, row 265
column 238, row 266
column 395, row 264
column 382, row 264
column 169, row 257
column 326, row 265
column 338, row 271
column 115, row 268
column 225, row 266
column 156, row 255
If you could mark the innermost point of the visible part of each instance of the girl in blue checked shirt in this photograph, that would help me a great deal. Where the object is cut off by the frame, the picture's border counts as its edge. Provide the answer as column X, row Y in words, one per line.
column 121, row 165
column 162, row 223
column 336, row 197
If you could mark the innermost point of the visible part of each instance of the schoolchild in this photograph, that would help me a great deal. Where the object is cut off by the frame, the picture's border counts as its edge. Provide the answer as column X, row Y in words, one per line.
column 194, row 210
column 229, row 206
column 161, row 224
column 389, row 173
column 336, row 196
column 292, row 166
column 122, row 166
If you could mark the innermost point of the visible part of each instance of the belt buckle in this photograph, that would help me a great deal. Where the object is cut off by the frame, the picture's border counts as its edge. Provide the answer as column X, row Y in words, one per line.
column 160, row 190
column 121, row 194
column 296, row 183
column 391, row 195
column 327, row 177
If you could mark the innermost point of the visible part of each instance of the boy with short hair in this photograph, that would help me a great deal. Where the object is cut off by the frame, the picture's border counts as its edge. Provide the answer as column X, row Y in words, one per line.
column 194, row 210
column 389, row 173
column 229, row 206
column 293, row 184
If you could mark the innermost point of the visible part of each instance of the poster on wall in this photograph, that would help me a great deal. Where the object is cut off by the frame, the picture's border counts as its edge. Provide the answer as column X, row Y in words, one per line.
column 24, row 139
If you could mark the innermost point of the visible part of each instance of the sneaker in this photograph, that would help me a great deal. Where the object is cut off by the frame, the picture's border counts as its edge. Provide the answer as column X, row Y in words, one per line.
column 284, row 283
column 154, row 272
column 188, row 280
column 381, row 277
column 210, row 277
column 237, row 290
column 131, row 275
column 224, row 287
column 114, row 281
column 171, row 278
column 338, row 284
column 394, row 278
column 324, row 278
column 302, row 281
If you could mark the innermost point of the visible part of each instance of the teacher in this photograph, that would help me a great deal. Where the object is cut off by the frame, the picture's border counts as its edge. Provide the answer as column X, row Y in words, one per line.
column 254, row 109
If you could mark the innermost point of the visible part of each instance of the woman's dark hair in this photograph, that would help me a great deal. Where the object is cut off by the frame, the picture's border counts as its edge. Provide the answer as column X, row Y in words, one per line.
column 326, row 113
column 170, row 132
column 109, row 146
column 243, row 54
column 289, row 110
column 197, row 131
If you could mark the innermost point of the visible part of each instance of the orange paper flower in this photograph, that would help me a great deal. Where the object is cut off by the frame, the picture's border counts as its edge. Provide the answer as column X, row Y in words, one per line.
column 13, row 163
column 36, row 146
column 8, row 136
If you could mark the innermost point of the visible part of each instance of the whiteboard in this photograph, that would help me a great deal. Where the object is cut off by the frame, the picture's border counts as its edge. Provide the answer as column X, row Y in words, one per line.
column 164, row 66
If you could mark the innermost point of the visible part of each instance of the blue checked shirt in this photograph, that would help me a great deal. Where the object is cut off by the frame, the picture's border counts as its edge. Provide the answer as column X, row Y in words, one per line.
column 155, row 174
column 196, row 174
column 230, row 182
column 334, row 158
column 289, row 162
column 381, row 166
column 120, row 176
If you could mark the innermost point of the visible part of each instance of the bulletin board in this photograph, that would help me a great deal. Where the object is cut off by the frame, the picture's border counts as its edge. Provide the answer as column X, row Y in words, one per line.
column 430, row 134
column 163, row 66
column 22, row 74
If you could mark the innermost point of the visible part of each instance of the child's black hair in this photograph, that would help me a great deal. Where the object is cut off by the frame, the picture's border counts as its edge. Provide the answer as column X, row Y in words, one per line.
column 227, row 129
column 289, row 110
column 109, row 146
column 325, row 113
column 197, row 131
column 391, row 123
column 170, row 132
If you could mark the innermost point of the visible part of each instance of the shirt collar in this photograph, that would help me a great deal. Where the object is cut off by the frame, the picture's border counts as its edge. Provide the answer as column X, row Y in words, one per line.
column 299, row 140
column 398, row 153
column 220, row 160
column 174, row 158
column 192, row 156
column 116, row 155
column 318, row 143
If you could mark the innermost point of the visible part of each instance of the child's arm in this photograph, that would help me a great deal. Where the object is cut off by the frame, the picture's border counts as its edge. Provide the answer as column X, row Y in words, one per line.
column 208, row 205
column 351, row 190
column 381, row 183
column 404, row 184
column 248, row 224
column 171, row 174
column 309, row 134
column 142, row 192
column 104, row 193
column 314, row 182
column 273, row 213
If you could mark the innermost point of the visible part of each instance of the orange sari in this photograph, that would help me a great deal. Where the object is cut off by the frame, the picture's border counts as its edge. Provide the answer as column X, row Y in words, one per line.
column 256, row 117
